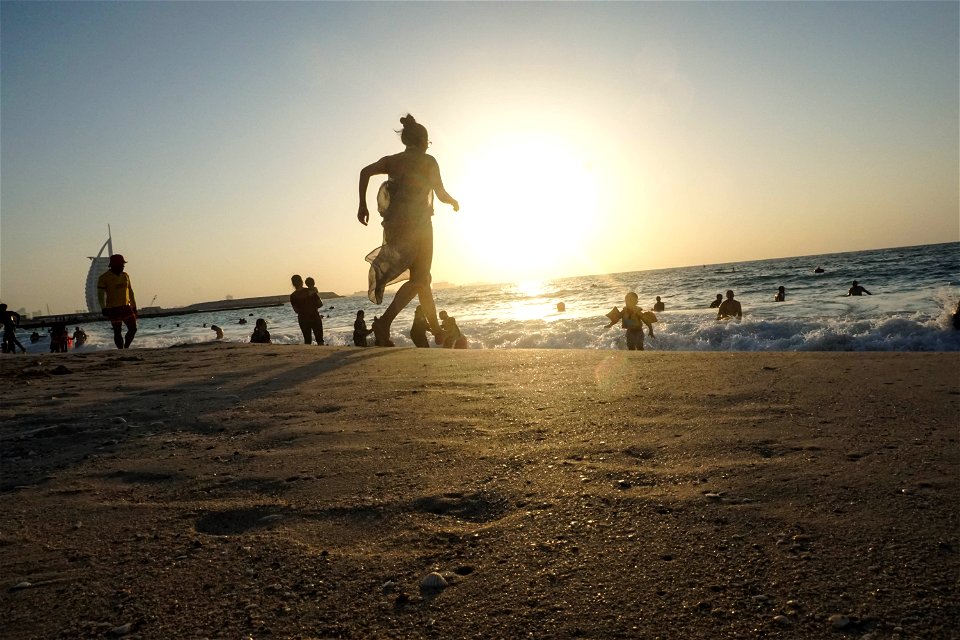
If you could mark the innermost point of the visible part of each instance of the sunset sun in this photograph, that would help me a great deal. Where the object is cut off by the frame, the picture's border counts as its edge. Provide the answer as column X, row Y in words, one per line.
column 529, row 202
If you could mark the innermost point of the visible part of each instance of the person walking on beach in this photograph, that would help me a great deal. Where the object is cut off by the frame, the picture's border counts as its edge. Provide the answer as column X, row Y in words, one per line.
column 418, row 332
column 11, row 320
column 730, row 308
column 117, row 302
column 311, row 286
column 780, row 295
column 79, row 337
column 716, row 303
column 405, row 201
column 658, row 305
column 305, row 306
column 857, row 290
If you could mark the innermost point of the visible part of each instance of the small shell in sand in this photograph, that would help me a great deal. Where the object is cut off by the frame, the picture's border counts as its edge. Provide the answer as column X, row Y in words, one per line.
column 433, row 580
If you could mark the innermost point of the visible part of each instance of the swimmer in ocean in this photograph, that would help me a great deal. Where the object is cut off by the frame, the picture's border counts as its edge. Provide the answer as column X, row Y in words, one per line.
column 857, row 290
column 218, row 331
column 730, row 308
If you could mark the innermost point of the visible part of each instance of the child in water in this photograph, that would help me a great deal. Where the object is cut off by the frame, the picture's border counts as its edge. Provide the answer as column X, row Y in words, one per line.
column 360, row 331
column 418, row 332
column 632, row 318
column 453, row 339
column 260, row 334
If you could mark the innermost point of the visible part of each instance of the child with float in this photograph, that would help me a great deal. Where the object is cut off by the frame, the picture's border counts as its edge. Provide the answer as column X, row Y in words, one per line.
column 632, row 318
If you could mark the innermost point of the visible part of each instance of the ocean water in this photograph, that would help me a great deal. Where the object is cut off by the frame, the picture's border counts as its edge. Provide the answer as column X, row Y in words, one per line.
column 915, row 290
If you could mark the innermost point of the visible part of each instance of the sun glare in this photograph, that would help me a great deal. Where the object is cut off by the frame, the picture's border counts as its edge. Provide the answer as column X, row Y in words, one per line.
column 530, row 202
column 530, row 288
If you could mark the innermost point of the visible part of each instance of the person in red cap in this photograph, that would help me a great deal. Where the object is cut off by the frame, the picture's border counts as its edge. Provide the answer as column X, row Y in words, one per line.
column 117, row 303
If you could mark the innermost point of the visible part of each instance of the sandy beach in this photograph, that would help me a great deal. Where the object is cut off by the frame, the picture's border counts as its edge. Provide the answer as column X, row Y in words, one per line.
column 275, row 491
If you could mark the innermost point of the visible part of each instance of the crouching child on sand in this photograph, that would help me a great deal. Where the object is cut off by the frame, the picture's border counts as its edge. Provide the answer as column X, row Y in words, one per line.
column 260, row 334
column 632, row 319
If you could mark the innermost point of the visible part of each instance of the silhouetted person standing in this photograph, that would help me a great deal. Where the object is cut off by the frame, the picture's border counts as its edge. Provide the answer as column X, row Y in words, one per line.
column 716, row 303
column 117, row 303
column 658, row 305
column 11, row 320
column 317, row 319
column 305, row 306
column 780, row 295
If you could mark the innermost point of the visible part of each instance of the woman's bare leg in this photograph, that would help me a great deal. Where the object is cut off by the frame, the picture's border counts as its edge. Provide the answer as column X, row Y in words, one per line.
column 404, row 295
column 417, row 285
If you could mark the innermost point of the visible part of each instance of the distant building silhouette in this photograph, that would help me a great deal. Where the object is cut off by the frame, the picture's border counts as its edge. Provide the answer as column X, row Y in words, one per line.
column 98, row 265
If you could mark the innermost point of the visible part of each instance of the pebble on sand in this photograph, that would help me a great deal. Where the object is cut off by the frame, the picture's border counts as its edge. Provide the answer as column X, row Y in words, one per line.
column 839, row 621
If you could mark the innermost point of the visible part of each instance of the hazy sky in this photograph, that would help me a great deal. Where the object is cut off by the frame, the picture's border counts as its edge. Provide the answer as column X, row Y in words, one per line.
column 223, row 141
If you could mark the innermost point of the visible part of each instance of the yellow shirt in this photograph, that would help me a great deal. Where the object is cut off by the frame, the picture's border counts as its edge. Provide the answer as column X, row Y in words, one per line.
column 115, row 290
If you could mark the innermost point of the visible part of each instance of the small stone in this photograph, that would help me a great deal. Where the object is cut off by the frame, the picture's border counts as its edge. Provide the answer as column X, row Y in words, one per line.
column 760, row 598
column 21, row 585
column 783, row 620
column 122, row 630
column 118, row 420
column 839, row 621
column 389, row 586
column 623, row 484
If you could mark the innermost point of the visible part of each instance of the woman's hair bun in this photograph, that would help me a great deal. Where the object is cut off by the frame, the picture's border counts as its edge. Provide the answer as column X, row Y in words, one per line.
column 407, row 120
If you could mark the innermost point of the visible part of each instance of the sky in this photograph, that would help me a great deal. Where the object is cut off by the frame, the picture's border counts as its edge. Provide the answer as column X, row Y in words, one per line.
column 222, row 142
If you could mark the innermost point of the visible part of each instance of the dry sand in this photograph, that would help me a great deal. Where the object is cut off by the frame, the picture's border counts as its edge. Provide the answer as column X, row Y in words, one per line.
column 272, row 491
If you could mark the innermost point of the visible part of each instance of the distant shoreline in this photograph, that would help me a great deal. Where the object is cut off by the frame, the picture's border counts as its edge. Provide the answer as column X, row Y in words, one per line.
column 159, row 312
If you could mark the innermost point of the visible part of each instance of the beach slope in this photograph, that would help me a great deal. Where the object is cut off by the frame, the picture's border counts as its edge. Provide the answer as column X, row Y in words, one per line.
column 235, row 490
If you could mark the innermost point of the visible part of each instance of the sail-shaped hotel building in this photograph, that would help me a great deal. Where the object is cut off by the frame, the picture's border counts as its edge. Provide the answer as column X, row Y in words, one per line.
column 98, row 265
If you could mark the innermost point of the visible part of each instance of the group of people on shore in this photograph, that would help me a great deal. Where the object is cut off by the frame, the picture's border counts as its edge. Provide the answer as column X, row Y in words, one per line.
column 117, row 304
column 452, row 337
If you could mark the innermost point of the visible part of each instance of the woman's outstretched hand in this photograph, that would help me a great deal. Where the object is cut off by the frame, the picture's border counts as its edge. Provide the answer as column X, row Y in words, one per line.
column 363, row 215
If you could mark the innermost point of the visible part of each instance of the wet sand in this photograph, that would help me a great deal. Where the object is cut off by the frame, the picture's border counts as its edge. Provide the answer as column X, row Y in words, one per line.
column 277, row 491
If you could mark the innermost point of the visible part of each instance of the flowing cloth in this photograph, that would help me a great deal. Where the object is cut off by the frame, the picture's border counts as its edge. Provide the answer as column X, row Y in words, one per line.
column 407, row 233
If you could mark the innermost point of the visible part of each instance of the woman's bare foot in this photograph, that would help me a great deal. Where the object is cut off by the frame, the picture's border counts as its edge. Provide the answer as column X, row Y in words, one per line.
column 381, row 334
